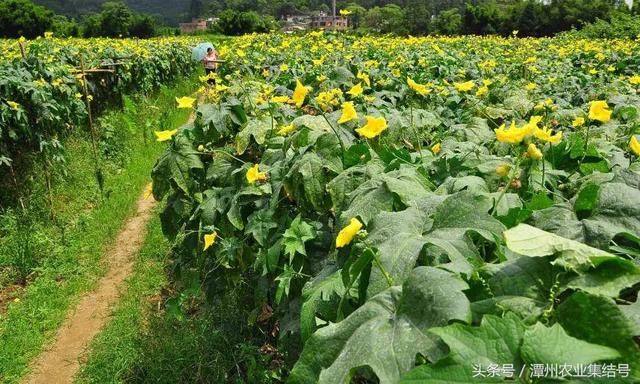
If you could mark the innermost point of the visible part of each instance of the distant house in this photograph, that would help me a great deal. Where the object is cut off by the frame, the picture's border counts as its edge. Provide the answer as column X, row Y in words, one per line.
column 295, row 23
column 194, row 25
column 324, row 21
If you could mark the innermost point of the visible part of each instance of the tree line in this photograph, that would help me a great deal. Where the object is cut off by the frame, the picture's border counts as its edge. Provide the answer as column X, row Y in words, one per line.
column 402, row 17
column 115, row 19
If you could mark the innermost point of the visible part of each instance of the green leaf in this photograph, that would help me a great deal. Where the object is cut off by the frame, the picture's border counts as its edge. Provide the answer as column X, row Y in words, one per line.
column 366, row 201
column 632, row 312
column 608, row 278
column 496, row 341
column 321, row 294
column 259, row 224
column 552, row 345
column 398, row 238
column 440, row 294
column 460, row 214
column 598, row 320
column 308, row 180
column 257, row 128
column 521, row 285
column 446, row 372
column 176, row 167
column 530, row 241
column 617, row 212
column 296, row 235
column 284, row 283
column 387, row 332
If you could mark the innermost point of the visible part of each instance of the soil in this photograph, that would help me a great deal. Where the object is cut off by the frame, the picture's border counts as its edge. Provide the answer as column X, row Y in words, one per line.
column 60, row 362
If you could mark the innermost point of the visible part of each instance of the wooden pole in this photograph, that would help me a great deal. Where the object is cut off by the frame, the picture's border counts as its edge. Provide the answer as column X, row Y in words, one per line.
column 94, row 134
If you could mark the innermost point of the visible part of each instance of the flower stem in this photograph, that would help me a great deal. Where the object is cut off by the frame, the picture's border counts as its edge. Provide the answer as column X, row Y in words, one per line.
column 514, row 174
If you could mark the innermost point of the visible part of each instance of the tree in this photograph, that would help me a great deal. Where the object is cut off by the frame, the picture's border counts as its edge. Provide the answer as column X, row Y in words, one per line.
column 238, row 23
column 387, row 19
column 357, row 14
column 418, row 16
column 448, row 22
column 64, row 27
column 142, row 26
column 196, row 9
column 23, row 18
column 115, row 19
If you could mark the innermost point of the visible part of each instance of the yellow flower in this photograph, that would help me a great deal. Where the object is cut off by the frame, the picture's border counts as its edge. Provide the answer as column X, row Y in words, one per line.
column 513, row 135
column 364, row 77
column 345, row 12
column 482, row 91
column 436, row 148
column 279, row 99
column 578, row 122
column 419, row 88
column 165, row 135
column 534, row 152
column 635, row 80
column 321, row 78
column 185, row 102
column 48, row 35
column 15, row 106
column 356, row 90
column 78, row 95
column 464, row 87
column 599, row 110
column 531, row 86
column 284, row 67
column 348, row 112
column 373, row 127
column 544, row 134
column 209, row 240
column 299, row 94
column 634, row 145
column 286, row 129
column 502, row 170
column 346, row 235
column 253, row 175
column 148, row 191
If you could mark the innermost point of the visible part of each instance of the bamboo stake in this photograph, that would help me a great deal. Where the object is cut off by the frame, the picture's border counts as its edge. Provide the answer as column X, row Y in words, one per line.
column 94, row 134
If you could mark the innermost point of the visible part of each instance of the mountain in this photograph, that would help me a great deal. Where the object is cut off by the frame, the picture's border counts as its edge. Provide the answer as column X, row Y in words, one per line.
column 170, row 12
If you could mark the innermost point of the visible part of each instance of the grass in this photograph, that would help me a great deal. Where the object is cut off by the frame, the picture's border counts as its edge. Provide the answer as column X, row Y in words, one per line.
column 67, row 258
column 147, row 342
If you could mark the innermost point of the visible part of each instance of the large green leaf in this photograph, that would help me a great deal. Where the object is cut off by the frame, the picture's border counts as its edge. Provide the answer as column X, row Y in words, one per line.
column 598, row 320
column 608, row 278
column 459, row 215
column 387, row 332
column 521, row 285
column 398, row 238
column 616, row 212
column 552, row 345
column 175, row 167
column 495, row 341
column 257, row 128
column 530, row 241
column 320, row 295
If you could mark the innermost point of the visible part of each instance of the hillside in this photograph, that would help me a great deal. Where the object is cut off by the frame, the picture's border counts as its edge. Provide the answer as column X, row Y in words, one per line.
column 170, row 12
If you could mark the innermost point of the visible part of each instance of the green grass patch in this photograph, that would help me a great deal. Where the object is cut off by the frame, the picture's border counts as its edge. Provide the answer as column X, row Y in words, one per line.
column 148, row 342
column 55, row 261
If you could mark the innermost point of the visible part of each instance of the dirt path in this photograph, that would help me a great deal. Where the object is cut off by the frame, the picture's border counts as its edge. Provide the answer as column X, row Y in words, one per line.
column 60, row 362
